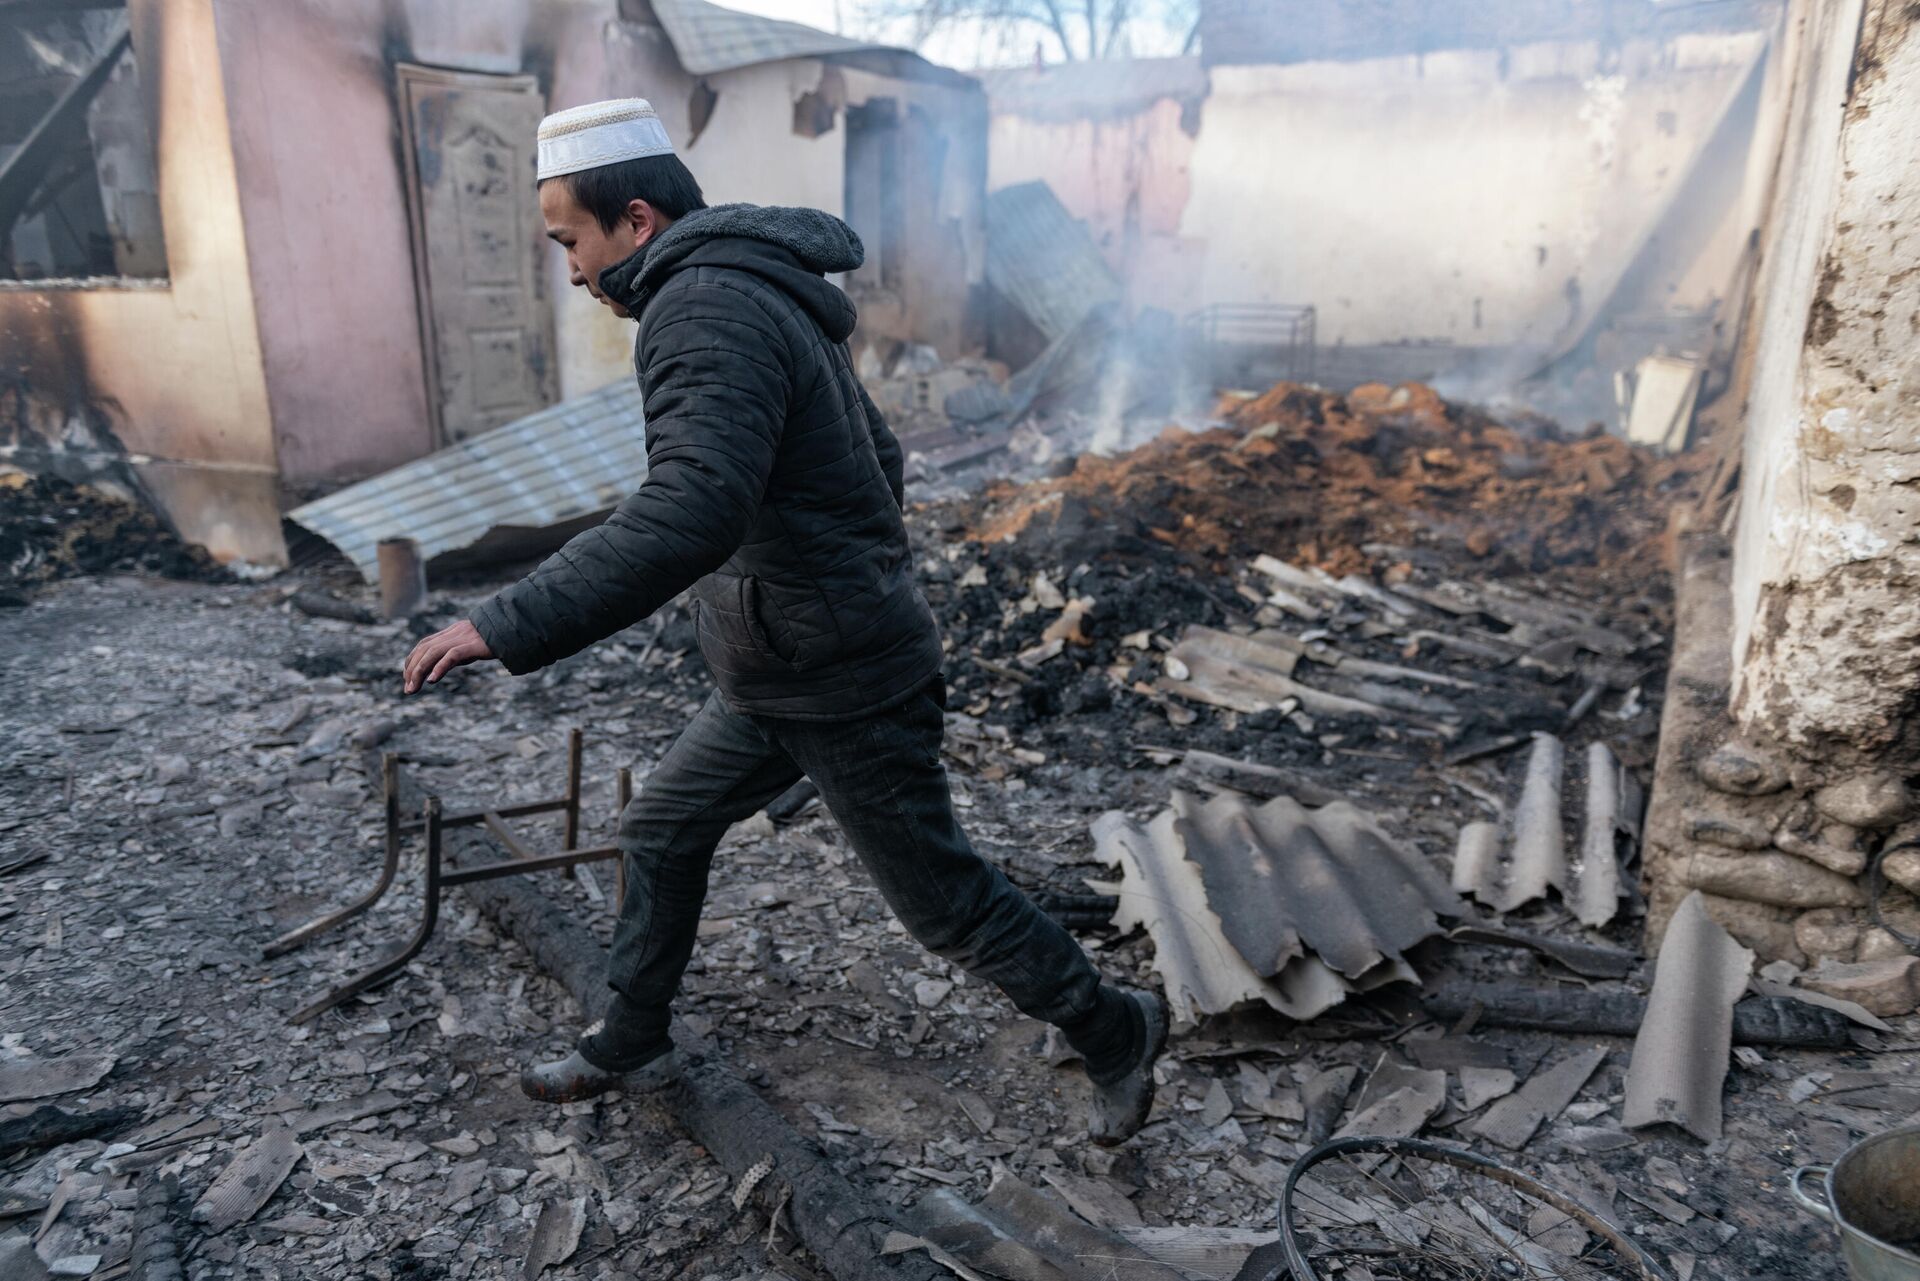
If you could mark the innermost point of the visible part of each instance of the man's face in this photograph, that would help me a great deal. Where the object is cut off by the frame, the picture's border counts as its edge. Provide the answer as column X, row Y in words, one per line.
column 591, row 248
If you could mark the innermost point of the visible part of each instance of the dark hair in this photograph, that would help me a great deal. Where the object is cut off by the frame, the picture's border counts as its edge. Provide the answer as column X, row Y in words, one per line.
column 661, row 181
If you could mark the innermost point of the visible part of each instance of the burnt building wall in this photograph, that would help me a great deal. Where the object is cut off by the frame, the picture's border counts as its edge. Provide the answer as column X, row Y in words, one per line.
column 162, row 379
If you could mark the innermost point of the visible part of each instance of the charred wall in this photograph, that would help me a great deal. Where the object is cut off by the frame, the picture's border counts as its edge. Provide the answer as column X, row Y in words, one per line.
column 163, row 378
column 1473, row 214
column 1118, row 153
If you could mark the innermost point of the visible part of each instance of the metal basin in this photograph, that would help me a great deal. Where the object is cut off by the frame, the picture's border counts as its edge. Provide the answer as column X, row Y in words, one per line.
column 1872, row 1194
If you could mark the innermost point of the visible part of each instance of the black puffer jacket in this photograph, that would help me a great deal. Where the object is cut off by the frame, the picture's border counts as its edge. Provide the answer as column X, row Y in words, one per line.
column 773, row 487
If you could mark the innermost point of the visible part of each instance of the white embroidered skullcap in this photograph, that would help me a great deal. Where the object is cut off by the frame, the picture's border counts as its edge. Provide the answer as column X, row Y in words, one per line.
column 600, row 133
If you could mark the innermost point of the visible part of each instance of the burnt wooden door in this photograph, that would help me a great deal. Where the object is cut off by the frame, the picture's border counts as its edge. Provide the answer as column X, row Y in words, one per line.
column 477, row 240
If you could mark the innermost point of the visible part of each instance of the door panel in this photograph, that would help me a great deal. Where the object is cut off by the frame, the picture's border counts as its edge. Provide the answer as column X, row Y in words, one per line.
column 477, row 240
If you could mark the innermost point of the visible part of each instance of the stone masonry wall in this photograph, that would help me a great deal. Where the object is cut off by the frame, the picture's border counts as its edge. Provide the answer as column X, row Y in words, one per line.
column 1785, row 790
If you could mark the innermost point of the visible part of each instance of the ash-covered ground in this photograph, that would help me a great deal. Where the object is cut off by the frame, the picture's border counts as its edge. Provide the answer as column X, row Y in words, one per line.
column 193, row 761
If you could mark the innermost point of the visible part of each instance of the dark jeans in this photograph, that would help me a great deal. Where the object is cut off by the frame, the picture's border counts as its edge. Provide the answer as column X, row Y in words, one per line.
column 882, row 780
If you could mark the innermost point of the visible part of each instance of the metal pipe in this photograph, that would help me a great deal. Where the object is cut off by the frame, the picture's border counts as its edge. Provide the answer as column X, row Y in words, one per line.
column 430, row 916
column 389, row 773
column 525, row 866
column 403, row 577
column 472, row 818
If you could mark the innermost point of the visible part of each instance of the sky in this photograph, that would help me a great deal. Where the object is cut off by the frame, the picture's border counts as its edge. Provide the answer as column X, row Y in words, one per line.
column 960, row 46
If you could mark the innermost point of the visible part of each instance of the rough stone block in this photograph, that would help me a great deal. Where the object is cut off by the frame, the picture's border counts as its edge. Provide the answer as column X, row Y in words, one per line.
column 1767, row 930
column 1741, row 769
column 1772, row 877
column 1733, row 833
column 1889, row 987
column 1829, row 934
column 1877, row 944
column 1872, row 801
column 1836, row 847
column 1903, row 869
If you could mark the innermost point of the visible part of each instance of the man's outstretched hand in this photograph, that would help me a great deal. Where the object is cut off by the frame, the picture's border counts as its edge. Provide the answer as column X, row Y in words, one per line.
column 443, row 651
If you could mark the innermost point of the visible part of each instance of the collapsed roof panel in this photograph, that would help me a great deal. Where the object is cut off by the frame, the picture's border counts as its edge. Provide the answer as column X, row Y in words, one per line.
column 1240, row 902
column 1160, row 891
column 1286, row 879
column 1537, row 856
column 708, row 39
column 569, row 461
column 1043, row 260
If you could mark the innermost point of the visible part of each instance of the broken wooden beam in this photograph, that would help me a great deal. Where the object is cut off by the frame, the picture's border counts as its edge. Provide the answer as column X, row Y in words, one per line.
column 1758, row 1020
column 48, row 1126
column 320, row 605
column 839, row 1224
column 842, row 1226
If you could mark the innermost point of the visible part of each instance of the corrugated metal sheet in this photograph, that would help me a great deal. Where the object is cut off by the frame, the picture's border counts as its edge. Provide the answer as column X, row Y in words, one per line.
column 569, row 461
column 708, row 38
column 1279, row 903
column 1043, row 261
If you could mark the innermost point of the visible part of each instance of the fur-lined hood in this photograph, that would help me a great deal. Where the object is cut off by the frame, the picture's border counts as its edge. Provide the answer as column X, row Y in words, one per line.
column 792, row 248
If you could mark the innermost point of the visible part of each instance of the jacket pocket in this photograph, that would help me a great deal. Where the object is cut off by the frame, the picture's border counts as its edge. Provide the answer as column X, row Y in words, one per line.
column 766, row 624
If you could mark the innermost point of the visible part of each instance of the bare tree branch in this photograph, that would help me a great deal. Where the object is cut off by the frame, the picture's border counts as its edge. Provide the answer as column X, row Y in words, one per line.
column 1058, row 22
column 1109, row 26
column 1116, row 20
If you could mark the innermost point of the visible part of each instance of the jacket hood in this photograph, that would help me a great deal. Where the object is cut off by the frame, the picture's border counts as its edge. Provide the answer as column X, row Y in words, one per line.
column 791, row 248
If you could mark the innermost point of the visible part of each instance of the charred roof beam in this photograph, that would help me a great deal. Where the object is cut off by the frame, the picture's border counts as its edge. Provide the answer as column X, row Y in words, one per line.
column 23, row 172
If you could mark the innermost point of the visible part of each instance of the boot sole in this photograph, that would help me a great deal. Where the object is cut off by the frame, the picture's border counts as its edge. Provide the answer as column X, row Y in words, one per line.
column 645, row 1079
column 540, row 1092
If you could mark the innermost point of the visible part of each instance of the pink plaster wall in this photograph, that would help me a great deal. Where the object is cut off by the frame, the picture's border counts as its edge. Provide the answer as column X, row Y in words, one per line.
column 316, row 147
column 1126, row 176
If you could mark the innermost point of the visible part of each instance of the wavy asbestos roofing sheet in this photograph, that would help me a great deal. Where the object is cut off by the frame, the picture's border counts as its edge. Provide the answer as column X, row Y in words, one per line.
column 1536, row 858
column 1275, row 903
column 1679, row 1061
column 1288, row 881
column 1043, row 260
column 569, row 461
column 708, row 38
column 1613, row 813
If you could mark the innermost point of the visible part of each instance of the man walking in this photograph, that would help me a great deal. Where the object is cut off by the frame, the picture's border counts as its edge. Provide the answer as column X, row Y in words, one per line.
column 774, row 491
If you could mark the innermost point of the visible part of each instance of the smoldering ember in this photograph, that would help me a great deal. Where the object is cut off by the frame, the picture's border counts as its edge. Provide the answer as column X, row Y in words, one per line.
column 874, row 640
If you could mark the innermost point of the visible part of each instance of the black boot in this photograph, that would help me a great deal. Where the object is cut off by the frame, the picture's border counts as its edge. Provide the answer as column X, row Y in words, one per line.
column 1121, row 1101
column 577, row 1077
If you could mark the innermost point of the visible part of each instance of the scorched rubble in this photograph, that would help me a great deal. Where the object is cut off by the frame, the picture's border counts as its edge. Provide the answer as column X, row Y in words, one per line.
column 191, row 759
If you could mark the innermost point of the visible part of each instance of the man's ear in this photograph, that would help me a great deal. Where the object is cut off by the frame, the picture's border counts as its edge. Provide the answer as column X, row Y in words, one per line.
column 645, row 221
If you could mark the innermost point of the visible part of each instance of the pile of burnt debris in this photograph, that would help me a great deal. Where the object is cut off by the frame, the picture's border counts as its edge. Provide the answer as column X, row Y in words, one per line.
column 52, row 529
column 1530, row 560
column 1331, row 723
